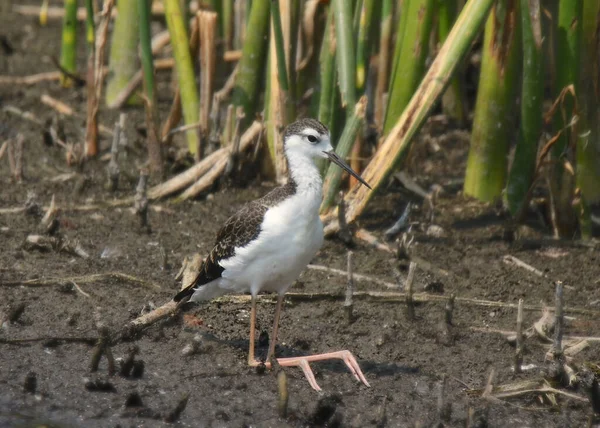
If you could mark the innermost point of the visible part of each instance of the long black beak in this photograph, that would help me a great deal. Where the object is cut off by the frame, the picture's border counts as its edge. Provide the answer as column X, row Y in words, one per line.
column 333, row 157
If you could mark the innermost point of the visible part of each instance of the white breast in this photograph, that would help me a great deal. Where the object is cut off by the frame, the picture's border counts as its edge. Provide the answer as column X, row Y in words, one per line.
column 291, row 234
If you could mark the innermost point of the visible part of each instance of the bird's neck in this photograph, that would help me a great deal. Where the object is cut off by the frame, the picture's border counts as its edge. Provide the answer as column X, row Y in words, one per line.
column 304, row 175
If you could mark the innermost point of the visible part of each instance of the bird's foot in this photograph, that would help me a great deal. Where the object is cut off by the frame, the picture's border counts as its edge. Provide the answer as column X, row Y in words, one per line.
column 303, row 363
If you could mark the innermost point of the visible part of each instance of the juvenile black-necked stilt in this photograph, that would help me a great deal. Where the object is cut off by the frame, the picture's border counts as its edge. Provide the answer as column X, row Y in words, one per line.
column 268, row 242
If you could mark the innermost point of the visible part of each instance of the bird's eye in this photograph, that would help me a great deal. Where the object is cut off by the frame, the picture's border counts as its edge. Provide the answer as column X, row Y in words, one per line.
column 312, row 138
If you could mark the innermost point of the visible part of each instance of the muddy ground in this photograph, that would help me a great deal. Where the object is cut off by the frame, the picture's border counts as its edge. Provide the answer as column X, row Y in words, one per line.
column 403, row 360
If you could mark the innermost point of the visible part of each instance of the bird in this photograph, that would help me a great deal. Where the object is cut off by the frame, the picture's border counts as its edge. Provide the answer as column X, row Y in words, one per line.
column 267, row 243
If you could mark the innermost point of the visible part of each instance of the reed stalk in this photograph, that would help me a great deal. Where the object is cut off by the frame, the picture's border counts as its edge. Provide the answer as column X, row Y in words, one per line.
column 91, row 126
column 123, row 60
column 409, row 57
column 68, row 49
column 251, row 65
column 185, row 70
column 152, row 122
column 327, row 74
column 397, row 142
column 588, row 141
column 333, row 178
column 227, row 23
column 494, row 120
column 208, row 29
column 532, row 97
column 454, row 104
column 346, row 62
column 383, row 66
column 568, row 65
column 280, row 105
column 90, row 26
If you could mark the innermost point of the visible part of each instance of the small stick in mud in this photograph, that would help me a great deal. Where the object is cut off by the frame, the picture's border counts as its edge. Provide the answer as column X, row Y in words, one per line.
column 282, row 390
column 558, row 327
column 449, row 310
column 18, row 172
column 519, row 350
column 343, row 233
column 408, row 289
column 489, row 387
column 113, row 166
column 174, row 414
column 102, row 348
column 512, row 260
column 3, row 148
column 232, row 162
column 444, row 408
column 348, row 303
column 141, row 199
column 49, row 223
column 12, row 163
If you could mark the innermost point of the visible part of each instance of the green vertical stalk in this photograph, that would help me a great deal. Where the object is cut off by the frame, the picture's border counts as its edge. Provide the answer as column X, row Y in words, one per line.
column 327, row 75
column 410, row 55
column 123, row 62
column 385, row 39
column 532, row 97
column 494, row 120
column 333, row 178
column 90, row 30
column 363, row 44
column 185, row 70
column 568, row 55
column 252, row 63
column 152, row 124
column 227, row 23
column 68, row 49
column 588, row 140
column 397, row 142
column 346, row 63
column 453, row 101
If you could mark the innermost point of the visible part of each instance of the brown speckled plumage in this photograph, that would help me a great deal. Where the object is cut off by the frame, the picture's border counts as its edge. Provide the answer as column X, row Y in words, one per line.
column 245, row 225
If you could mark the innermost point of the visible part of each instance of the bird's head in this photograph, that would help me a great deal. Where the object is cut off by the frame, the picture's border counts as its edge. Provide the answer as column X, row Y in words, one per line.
column 310, row 138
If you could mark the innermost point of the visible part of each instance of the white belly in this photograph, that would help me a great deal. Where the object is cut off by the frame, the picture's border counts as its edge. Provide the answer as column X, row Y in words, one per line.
column 291, row 235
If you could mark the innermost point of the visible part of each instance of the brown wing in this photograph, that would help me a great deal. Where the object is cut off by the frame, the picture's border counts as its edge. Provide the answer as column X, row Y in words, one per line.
column 241, row 228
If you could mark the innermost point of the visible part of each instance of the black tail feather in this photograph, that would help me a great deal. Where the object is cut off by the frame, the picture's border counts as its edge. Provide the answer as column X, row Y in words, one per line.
column 184, row 295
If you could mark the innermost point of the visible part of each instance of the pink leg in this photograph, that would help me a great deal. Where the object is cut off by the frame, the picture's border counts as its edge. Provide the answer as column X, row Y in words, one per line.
column 302, row 362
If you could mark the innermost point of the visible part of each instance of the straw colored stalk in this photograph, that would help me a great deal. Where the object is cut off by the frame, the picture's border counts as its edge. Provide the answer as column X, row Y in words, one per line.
column 91, row 141
column 207, row 24
column 280, row 104
column 123, row 63
column 383, row 63
column 493, row 125
column 250, row 74
column 588, row 141
column 397, row 142
column 91, row 128
column 410, row 55
column 152, row 122
column 562, row 180
column 68, row 49
column 532, row 96
column 334, row 173
column 453, row 102
column 185, row 70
